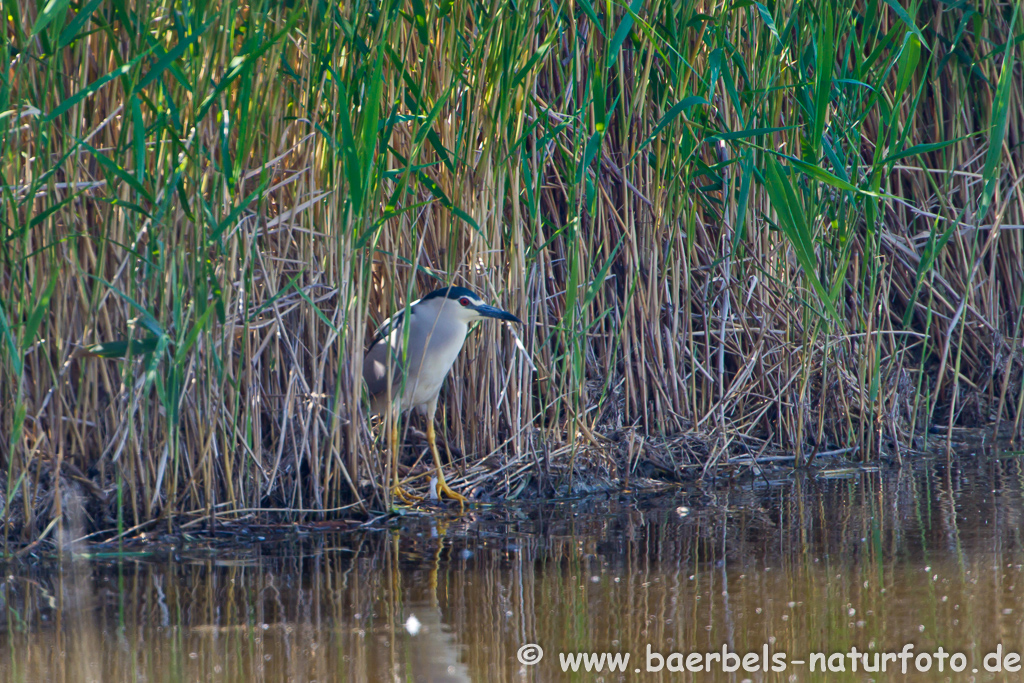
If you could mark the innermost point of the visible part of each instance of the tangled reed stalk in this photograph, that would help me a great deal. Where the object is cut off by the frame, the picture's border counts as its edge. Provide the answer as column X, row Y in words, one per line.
column 733, row 230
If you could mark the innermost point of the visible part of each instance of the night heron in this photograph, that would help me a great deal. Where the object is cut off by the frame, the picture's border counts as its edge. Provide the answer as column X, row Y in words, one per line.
column 439, row 324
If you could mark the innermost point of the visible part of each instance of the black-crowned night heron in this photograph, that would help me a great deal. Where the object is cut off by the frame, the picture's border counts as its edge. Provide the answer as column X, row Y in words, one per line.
column 439, row 324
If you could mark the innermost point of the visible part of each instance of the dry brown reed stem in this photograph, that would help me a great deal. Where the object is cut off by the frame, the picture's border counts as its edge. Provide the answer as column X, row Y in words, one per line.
column 248, row 208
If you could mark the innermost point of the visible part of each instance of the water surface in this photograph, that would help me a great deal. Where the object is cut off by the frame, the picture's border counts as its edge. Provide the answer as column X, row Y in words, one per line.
column 928, row 554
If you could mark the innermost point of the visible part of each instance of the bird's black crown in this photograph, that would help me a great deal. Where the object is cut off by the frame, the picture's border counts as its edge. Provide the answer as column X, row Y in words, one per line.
column 450, row 293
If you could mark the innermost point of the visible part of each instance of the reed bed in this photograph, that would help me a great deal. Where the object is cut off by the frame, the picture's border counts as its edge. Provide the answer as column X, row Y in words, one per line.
column 732, row 230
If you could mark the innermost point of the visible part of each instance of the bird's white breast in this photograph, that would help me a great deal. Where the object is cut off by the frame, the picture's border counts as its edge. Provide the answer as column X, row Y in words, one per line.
column 444, row 338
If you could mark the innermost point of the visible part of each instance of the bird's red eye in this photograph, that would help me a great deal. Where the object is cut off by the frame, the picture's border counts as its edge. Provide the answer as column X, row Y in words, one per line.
column 464, row 301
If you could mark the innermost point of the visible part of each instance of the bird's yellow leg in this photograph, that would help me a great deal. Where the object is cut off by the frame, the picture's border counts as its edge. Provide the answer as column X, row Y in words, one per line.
column 442, row 485
column 397, row 492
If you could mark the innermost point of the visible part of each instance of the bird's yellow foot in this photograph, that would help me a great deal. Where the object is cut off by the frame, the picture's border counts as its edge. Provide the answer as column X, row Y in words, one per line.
column 442, row 486
column 400, row 494
column 444, row 490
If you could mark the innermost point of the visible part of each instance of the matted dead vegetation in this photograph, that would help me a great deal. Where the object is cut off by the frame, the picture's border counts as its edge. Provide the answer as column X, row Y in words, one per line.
column 733, row 231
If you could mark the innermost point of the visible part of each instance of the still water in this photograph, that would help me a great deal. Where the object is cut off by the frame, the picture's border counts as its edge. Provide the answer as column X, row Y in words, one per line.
column 928, row 555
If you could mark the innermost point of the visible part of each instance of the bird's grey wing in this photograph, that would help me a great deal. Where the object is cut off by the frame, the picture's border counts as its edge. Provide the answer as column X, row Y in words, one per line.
column 391, row 323
column 375, row 373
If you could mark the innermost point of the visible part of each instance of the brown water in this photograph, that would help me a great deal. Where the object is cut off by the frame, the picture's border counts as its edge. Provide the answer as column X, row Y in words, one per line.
column 927, row 554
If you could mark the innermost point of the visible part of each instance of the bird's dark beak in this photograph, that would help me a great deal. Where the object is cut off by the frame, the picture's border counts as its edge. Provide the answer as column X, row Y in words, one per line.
column 493, row 312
